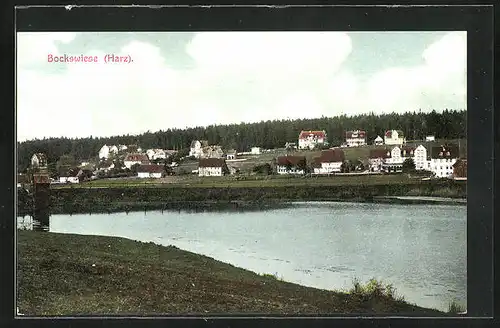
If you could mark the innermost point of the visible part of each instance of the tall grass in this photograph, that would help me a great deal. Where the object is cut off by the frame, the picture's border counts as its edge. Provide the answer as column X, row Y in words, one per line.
column 375, row 289
column 455, row 308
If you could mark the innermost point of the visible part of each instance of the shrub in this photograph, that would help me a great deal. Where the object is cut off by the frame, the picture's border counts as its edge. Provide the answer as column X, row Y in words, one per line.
column 375, row 289
column 454, row 307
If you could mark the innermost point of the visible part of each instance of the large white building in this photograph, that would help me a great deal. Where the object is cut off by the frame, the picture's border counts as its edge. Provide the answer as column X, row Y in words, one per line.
column 394, row 137
column 355, row 138
column 311, row 139
column 442, row 160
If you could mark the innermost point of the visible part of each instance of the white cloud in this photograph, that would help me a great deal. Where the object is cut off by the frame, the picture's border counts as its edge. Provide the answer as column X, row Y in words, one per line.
column 442, row 76
column 34, row 47
column 238, row 76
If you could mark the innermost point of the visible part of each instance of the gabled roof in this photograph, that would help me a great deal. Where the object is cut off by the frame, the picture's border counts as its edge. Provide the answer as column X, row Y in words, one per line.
column 388, row 133
column 378, row 138
column 330, row 156
column 212, row 162
column 445, row 151
column 460, row 162
column 380, row 153
column 356, row 134
column 314, row 134
column 136, row 157
column 408, row 151
column 41, row 157
column 151, row 169
column 290, row 160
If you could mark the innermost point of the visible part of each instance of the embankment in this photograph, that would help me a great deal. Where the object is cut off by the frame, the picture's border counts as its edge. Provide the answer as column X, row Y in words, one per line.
column 65, row 274
column 71, row 200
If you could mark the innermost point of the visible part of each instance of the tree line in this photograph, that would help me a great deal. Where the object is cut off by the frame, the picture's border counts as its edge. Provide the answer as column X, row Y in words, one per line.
column 448, row 124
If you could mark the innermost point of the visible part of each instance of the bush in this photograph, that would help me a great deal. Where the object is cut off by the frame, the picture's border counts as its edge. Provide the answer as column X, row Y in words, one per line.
column 454, row 307
column 375, row 289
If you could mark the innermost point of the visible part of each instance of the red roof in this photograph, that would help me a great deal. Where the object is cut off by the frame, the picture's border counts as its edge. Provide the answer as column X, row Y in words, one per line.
column 212, row 162
column 330, row 156
column 137, row 158
column 290, row 160
column 388, row 133
column 314, row 134
column 151, row 169
column 356, row 134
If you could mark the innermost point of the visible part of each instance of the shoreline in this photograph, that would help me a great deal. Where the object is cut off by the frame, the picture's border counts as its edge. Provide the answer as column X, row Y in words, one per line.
column 201, row 206
column 116, row 198
column 121, row 276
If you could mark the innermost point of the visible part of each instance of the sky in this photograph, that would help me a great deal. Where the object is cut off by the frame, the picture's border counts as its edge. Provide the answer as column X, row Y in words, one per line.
column 186, row 79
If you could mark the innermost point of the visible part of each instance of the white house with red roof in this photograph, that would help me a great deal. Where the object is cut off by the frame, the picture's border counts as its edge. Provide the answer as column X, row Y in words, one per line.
column 355, row 138
column 330, row 161
column 135, row 158
column 150, row 171
column 311, row 139
column 394, row 137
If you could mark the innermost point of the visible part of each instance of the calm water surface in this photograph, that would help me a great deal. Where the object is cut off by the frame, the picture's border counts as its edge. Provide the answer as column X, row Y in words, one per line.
column 420, row 249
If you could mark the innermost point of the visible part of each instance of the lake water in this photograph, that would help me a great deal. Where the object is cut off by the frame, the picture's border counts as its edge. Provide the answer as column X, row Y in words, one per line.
column 420, row 249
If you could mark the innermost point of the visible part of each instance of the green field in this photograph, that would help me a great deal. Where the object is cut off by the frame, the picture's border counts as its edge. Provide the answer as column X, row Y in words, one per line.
column 248, row 181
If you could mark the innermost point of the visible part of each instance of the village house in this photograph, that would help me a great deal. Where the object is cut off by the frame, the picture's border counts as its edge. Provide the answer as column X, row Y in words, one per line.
column 355, row 138
column 394, row 162
column 197, row 146
column 420, row 158
column 291, row 164
column 442, row 160
column 84, row 175
column 378, row 141
column 154, row 154
column 231, row 154
column 255, row 150
column 209, row 167
column 104, row 152
column 430, row 139
column 150, row 171
column 69, row 176
column 330, row 161
column 311, row 139
column 460, row 169
column 212, row 152
column 135, row 158
column 122, row 147
column 394, row 137
column 377, row 159
column 38, row 160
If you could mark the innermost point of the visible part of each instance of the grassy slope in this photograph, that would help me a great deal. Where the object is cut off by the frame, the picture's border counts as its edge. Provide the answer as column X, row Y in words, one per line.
column 255, row 181
column 56, row 276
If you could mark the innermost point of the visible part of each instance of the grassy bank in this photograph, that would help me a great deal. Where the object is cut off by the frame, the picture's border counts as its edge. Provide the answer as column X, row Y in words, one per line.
column 119, row 195
column 63, row 274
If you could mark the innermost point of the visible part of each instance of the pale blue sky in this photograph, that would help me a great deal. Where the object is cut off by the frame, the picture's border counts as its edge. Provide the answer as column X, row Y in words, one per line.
column 188, row 79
